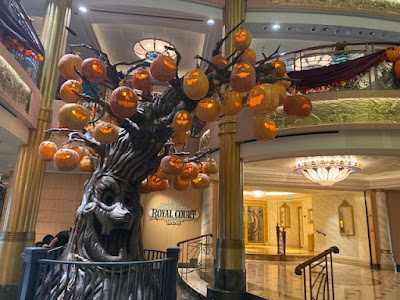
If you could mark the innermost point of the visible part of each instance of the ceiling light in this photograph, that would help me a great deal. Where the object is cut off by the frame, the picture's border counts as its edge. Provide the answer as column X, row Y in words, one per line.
column 210, row 22
column 276, row 27
column 149, row 49
column 327, row 170
column 83, row 9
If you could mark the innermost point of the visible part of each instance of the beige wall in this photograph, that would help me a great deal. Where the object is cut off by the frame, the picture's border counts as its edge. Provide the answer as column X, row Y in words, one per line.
column 393, row 205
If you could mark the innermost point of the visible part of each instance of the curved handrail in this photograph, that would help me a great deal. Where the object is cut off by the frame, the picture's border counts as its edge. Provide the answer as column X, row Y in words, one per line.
column 195, row 238
column 305, row 264
column 103, row 263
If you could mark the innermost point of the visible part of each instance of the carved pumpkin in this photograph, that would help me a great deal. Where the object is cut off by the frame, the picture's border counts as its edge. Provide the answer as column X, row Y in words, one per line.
column 163, row 68
column 280, row 68
column 195, row 84
column 264, row 129
column 160, row 174
column 263, row 99
column 208, row 110
column 68, row 89
column 210, row 166
column 94, row 69
column 123, row 102
column 66, row 66
column 297, row 106
column 73, row 116
column 66, row 159
column 219, row 61
column 47, row 149
column 141, row 80
column 392, row 54
column 180, row 185
column 285, row 83
column 82, row 151
column 180, row 137
column 281, row 92
column 243, row 77
column 397, row 69
column 182, row 121
column 231, row 103
column 172, row 165
column 249, row 56
column 86, row 164
column 156, row 184
column 202, row 181
column 191, row 171
column 242, row 39
column 106, row 133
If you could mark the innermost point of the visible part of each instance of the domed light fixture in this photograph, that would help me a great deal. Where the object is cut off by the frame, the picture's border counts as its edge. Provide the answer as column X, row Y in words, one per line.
column 149, row 49
column 327, row 170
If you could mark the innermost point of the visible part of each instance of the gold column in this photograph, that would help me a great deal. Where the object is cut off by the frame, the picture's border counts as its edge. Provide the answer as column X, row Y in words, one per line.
column 230, row 273
column 19, row 224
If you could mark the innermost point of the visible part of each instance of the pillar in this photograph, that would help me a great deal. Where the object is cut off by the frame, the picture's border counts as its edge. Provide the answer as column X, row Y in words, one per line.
column 23, row 202
column 230, row 273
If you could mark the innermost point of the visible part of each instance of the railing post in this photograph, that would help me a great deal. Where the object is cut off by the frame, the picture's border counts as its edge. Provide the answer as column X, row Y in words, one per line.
column 174, row 254
column 31, row 256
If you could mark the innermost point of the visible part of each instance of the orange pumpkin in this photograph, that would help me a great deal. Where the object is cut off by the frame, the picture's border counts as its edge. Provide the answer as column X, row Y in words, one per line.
column 210, row 166
column 263, row 99
column 106, row 133
column 94, row 70
column 68, row 91
column 202, row 181
column 66, row 159
column 219, row 61
column 180, row 185
column 172, row 165
column 243, row 77
column 123, row 102
column 180, row 137
column 160, row 174
column 47, row 149
column 182, row 121
column 82, row 151
column 285, row 83
column 231, row 103
column 141, row 80
column 66, row 66
column 191, row 171
column 73, row 116
column 264, row 129
column 249, row 56
column 156, row 184
column 280, row 68
column 392, row 54
column 242, row 39
column 86, row 164
column 208, row 110
column 397, row 69
column 163, row 68
column 281, row 92
column 297, row 106
column 195, row 84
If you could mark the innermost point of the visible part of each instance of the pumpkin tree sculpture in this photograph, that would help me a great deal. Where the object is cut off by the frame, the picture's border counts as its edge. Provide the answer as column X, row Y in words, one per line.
column 139, row 159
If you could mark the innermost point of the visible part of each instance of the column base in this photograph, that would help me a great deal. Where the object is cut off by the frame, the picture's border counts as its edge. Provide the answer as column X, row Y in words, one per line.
column 230, row 280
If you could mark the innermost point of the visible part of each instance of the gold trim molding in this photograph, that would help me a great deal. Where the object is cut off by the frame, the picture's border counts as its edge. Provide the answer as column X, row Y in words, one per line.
column 17, row 236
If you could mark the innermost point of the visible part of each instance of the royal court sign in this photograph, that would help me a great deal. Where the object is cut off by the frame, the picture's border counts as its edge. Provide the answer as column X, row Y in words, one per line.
column 173, row 213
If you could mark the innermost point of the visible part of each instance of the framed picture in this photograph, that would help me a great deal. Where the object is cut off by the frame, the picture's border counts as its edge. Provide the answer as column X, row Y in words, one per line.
column 256, row 226
column 284, row 216
column 310, row 216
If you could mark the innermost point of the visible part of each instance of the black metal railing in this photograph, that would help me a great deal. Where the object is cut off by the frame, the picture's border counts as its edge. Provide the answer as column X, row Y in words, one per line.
column 318, row 276
column 281, row 240
column 196, row 254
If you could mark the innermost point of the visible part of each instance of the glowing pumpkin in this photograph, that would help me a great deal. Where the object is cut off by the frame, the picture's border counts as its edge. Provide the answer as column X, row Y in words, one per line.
column 280, row 68
column 66, row 66
column 264, row 129
column 297, row 106
column 160, row 174
column 94, row 69
column 82, row 151
column 86, row 164
column 106, row 133
column 153, row 183
column 231, row 103
column 195, row 84
column 392, row 54
column 141, row 80
column 66, row 159
column 210, row 166
column 163, row 68
column 172, row 165
column 285, row 83
column 263, row 99
column 73, row 116
column 68, row 89
column 219, row 61
column 249, row 56
column 180, row 185
column 47, row 149
column 208, row 110
column 202, row 181
column 180, row 137
column 191, row 171
column 182, row 121
column 242, row 39
column 281, row 92
column 123, row 102
column 243, row 77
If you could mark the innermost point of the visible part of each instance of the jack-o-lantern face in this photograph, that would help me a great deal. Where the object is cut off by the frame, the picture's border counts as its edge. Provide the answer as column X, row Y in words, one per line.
column 297, row 106
column 242, row 39
column 80, row 113
column 263, row 99
column 219, row 61
column 244, row 70
column 123, row 102
column 47, row 149
column 68, row 91
column 66, row 159
column 231, row 103
column 73, row 116
column 82, row 151
column 210, row 166
column 195, row 84
column 172, row 165
column 94, row 70
column 264, row 129
column 153, row 183
column 243, row 77
column 191, row 171
column 106, row 133
column 280, row 68
column 176, row 162
column 191, row 77
column 141, row 80
column 202, row 181
column 208, row 110
column 182, row 121
column 163, row 68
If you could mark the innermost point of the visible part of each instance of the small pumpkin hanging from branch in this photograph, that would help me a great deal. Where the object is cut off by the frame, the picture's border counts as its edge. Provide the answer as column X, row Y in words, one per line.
column 191, row 171
column 123, row 102
column 202, row 181
column 182, row 121
column 106, row 133
column 242, row 39
column 94, row 70
column 195, row 84
column 263, row 99
column 67, row 65
column 243, row 77
column 47, row 149
column 86, row 164
column 141, row 80
column 172, row 165
column 297, row 106
column 264, row 129
column 231, row 103
column 208, row 110
column 163, row 68
column 66, row 159
column 73, row 116
column 69, row 89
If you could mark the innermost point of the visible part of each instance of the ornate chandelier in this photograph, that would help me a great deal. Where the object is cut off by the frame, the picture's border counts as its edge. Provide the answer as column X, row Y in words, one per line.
column 149, row 49
column 327, row 170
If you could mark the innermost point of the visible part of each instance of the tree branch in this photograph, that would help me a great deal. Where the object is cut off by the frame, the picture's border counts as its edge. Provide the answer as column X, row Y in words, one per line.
column 260, row 62
column 77, row 136
column 217, row 49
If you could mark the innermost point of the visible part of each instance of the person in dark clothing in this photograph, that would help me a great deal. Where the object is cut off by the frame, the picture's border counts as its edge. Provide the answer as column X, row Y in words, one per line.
column 61, row 238
column 47, row 240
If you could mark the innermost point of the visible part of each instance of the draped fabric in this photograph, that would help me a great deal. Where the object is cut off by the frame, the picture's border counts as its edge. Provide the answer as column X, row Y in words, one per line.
column 336, row 73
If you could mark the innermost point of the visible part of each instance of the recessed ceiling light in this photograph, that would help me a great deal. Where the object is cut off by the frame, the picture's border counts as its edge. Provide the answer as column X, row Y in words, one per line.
column 276, row 27
column 83, row 9
column 210, row 22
